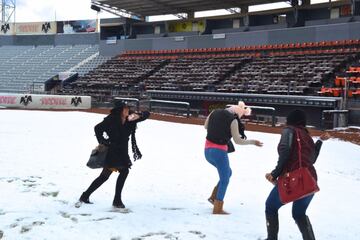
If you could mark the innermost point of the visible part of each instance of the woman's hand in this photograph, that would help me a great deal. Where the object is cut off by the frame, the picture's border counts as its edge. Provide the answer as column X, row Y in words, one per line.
column 258, row 143
column 325, row 136
column 270, row 178
column 133, row 117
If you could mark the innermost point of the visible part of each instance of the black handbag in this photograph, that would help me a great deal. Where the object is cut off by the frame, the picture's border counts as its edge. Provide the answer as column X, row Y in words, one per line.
column 97, row 157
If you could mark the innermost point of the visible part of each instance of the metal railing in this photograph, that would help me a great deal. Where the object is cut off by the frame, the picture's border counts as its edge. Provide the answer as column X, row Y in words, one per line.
column 337, row 121
column 185, row 105
column 272, row 109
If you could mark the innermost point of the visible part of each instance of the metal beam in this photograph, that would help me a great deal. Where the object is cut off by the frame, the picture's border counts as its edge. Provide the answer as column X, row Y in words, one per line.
column 157, row 7
column 232, row 11
column 117, row 12
column 169, row 7
column 7, row 8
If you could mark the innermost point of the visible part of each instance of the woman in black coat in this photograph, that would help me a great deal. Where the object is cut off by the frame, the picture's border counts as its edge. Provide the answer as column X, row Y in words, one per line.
column 118, row 126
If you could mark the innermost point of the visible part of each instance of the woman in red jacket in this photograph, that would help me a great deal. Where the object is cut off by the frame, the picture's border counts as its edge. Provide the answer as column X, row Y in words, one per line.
column 287, row 149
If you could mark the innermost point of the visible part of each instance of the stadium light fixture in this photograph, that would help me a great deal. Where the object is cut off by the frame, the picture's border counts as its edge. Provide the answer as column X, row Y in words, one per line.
column 94, row 7
column 7, row 10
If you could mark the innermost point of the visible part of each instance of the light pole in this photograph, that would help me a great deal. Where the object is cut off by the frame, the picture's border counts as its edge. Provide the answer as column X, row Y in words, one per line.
column 7, row 10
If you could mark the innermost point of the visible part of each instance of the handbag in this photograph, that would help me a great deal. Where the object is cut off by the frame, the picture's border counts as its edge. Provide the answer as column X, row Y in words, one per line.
column 97, row 157
column 298, row 183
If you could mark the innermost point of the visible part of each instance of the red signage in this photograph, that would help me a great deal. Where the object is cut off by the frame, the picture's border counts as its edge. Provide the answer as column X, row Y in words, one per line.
column 53, row 101
column 7, row 100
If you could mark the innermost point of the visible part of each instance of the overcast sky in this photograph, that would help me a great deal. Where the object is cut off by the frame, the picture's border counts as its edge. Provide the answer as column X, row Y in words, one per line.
column 51, row 10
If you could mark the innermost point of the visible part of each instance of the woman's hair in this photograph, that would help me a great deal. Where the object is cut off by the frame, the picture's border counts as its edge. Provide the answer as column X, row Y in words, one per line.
column 296, row 117
column 118, row 107
column 241, row 127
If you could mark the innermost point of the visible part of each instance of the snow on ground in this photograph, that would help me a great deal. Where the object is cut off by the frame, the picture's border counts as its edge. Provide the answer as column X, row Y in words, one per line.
column 43, row 173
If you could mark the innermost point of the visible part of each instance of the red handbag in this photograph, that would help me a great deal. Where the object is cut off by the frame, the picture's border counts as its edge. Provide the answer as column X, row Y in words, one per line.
column 298, row 183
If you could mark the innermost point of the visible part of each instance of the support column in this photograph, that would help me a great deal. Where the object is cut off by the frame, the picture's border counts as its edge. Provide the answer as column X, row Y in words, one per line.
column 244, row 9
column 190, row 15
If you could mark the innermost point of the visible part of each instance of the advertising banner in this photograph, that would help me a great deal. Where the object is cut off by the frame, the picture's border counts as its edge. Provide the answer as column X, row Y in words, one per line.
column 187, row 26
column 35, row 28
column 35, row 101
column 79, row 26
column 7, row 28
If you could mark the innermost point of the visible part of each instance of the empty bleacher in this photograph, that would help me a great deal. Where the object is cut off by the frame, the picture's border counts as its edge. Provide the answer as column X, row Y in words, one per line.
column 346, row 83
column 114, row 76
column 296, row 69
column 90, row 64
column 288, row 74
column 21, row 66
column 188, row 74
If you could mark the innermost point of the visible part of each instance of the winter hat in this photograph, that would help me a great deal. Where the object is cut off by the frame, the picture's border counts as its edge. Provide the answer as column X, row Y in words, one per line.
column 240, row 109
column 119, row 105
column 296, row 117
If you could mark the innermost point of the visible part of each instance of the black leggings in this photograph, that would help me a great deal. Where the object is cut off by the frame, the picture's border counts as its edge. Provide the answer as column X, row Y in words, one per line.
column 104, row 176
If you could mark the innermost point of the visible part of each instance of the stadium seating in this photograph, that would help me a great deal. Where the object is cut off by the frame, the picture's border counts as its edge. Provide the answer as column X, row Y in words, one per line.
column 21, row 66
column 349, row 82
column 295, row 69
column 113, row 77
column 91, row 64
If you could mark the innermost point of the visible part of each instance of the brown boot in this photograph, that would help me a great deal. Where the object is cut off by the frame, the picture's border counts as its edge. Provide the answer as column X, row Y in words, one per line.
column 211, row 199
column 218, row 207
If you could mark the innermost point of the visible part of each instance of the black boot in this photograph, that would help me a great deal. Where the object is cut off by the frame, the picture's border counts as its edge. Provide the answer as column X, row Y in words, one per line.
column 305, row 228
column 85, row 198
column 272, row 226
column 104, row 176
column 117, row 203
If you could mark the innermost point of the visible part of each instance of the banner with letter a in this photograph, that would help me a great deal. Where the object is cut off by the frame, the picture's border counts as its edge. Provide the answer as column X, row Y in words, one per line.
column 7, row 28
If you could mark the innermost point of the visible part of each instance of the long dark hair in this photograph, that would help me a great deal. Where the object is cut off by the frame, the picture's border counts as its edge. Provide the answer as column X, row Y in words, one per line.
column 296, row 118
column 241, row 127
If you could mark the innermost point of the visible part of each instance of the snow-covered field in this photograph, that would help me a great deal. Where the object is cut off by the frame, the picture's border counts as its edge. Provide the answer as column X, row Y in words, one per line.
column 43, row 172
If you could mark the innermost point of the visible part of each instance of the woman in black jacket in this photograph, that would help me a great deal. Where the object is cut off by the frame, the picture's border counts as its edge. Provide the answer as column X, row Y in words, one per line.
column 118, row 126
column 288, row 155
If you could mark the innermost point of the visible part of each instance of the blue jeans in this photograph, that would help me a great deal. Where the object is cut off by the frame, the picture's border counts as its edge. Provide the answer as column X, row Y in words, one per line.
column 219, row 159
column 273, row 204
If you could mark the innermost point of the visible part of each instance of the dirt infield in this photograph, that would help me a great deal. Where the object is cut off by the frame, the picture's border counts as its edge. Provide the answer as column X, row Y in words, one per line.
column 349, row 134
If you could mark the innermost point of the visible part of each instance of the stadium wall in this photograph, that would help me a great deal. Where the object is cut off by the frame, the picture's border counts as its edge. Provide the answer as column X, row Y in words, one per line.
column 55, row 39
column 6, row 40
column 331, row 32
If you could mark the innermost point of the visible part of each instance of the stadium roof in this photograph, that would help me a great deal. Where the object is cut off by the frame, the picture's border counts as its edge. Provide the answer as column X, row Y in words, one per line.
column 162, row 7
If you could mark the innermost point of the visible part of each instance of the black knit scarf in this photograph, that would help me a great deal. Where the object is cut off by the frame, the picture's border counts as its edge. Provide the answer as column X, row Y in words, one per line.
column 136, row 152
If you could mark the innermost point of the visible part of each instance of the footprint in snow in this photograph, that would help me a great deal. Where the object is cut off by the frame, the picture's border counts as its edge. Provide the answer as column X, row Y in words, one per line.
column 152, row 234
column 50, row 194
column 115, row 238
column 171, row 208
column 28, row 228
column 198, row 233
